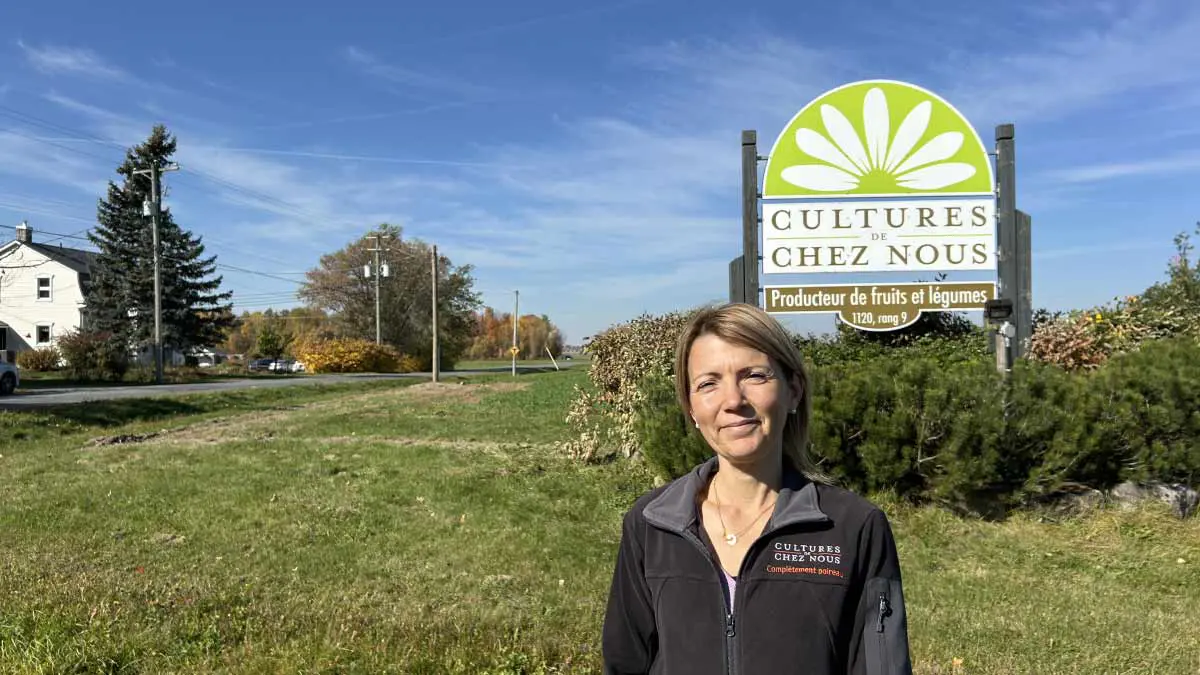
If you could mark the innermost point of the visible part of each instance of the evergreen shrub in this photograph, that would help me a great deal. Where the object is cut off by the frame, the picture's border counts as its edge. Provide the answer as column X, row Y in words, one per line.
column 1147, row 407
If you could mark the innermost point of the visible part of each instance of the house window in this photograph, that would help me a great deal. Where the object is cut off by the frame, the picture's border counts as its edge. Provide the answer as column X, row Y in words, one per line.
column 43, row 334
column 43, row 288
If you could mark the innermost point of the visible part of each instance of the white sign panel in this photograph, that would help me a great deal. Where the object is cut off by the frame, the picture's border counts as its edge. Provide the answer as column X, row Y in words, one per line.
column 896, row 235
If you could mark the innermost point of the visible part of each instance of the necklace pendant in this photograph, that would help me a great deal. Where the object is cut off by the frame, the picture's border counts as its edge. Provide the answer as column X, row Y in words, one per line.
column 731, row 539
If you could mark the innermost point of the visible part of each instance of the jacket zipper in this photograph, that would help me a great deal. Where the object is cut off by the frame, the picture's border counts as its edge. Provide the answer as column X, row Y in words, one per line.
column 726, row 606
column 884, row 611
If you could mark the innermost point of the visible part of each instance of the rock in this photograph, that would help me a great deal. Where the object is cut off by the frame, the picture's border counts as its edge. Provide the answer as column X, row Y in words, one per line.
column 1182, row 499
column 1071, row 501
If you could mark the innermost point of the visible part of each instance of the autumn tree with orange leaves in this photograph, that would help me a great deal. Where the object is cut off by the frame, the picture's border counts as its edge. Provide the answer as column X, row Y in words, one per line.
column 492, row 336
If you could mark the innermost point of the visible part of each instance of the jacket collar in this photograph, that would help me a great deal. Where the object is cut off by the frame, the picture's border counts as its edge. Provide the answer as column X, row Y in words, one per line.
column 675, row 509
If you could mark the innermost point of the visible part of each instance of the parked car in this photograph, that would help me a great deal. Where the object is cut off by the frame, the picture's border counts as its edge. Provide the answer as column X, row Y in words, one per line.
column 10, row 378
column 286, row 366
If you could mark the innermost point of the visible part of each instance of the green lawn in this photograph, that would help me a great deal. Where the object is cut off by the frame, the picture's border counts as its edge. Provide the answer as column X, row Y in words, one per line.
column 521, row 363
column 405, row 527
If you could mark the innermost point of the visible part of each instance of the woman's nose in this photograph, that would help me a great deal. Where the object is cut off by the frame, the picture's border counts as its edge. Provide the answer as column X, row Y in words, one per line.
column 732, row 395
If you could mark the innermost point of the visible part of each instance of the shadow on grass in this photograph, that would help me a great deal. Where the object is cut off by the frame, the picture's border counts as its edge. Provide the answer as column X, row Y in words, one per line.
column 57, row 383
column 55, row 420
column 123, row 411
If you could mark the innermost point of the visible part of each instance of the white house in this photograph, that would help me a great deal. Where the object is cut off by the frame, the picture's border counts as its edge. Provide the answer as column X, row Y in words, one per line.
column 41, row 292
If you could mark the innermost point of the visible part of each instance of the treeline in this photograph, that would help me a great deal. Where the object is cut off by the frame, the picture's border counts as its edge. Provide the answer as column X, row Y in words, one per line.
column 490, row 333
column 492, row 336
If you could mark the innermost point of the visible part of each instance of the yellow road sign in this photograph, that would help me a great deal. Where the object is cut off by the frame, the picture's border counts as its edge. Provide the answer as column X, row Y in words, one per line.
column 514, row 351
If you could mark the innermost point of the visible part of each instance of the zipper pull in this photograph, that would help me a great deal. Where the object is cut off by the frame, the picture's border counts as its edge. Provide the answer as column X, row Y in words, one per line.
column 884, row 610
column 729, row 629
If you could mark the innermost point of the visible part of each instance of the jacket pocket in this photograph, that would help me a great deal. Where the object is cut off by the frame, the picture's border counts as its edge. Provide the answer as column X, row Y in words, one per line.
column 886, row 632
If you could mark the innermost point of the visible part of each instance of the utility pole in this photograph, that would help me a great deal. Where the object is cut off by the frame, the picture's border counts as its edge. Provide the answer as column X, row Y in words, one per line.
column 379, row 272
column 152, row 208
column 437, row 362
column 516, row 314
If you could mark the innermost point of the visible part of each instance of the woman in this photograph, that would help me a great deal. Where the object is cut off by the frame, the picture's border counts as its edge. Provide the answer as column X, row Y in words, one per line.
column 751, row 563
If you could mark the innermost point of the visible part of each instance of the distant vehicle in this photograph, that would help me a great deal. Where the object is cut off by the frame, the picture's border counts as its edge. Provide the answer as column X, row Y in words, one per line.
column 260, row 364
column 10, row 379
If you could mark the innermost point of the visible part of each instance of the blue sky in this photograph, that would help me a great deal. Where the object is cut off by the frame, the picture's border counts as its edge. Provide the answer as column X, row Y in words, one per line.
column 588, row 157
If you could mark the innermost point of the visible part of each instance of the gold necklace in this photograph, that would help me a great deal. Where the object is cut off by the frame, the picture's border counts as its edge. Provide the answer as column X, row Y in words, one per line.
column 731, row 538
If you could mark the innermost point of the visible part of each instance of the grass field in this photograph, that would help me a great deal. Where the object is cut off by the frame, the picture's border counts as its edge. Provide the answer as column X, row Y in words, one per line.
column 404, row 527
column 481, row 364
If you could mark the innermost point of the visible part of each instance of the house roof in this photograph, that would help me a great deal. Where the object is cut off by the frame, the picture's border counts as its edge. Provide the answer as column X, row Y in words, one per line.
column 76, row 259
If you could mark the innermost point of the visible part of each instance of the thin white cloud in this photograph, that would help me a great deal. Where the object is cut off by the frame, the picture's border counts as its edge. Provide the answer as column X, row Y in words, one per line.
column 1134, row 48
column 54, row 60
column 77, row 106
column 48, row 163
column 1184, row 163
column 303, row 209
column 1100, row 249
column 343, row 157
column 408, row 80
column 496, row 29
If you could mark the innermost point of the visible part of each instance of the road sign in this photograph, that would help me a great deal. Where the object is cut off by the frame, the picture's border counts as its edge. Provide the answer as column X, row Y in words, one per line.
column 514, row 351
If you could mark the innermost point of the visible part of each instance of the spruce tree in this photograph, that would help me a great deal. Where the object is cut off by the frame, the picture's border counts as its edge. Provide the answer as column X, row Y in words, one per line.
column 120, row 300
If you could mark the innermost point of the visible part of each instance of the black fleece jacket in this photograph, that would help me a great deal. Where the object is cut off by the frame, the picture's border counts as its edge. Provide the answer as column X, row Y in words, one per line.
column 819, row 591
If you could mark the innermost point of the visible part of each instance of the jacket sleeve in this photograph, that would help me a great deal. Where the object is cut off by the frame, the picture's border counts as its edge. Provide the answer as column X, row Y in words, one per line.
column 629, row 635
column 879, row 640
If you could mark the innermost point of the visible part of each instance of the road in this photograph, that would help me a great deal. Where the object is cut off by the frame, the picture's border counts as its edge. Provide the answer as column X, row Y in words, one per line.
column 40, row 398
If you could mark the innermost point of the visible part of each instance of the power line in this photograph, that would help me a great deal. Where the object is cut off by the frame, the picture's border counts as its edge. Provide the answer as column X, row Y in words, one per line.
column 23, row 208
column 261, row 274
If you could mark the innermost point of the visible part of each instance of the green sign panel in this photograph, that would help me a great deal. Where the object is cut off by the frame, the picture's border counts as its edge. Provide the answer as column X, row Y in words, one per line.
column 878, row 138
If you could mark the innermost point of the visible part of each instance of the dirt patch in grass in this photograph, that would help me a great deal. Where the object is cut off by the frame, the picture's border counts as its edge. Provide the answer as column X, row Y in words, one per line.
column 488, row 447
column 460, row 391
column 119, row 439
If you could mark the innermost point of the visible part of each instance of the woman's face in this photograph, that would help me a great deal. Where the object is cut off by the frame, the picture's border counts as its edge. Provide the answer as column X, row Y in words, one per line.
column 739, row 399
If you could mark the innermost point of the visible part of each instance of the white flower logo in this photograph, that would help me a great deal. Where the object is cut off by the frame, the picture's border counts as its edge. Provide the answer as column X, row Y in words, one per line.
column 884, row 162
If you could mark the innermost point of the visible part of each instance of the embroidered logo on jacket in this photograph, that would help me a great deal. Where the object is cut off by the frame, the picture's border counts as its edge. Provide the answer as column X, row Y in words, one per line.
column 805, row 559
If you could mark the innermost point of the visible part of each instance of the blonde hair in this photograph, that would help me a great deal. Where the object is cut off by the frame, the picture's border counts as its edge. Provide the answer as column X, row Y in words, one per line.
column 749, row 326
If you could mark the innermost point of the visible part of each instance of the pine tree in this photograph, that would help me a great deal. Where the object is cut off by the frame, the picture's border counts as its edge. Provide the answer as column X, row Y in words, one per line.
column 120, row 299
